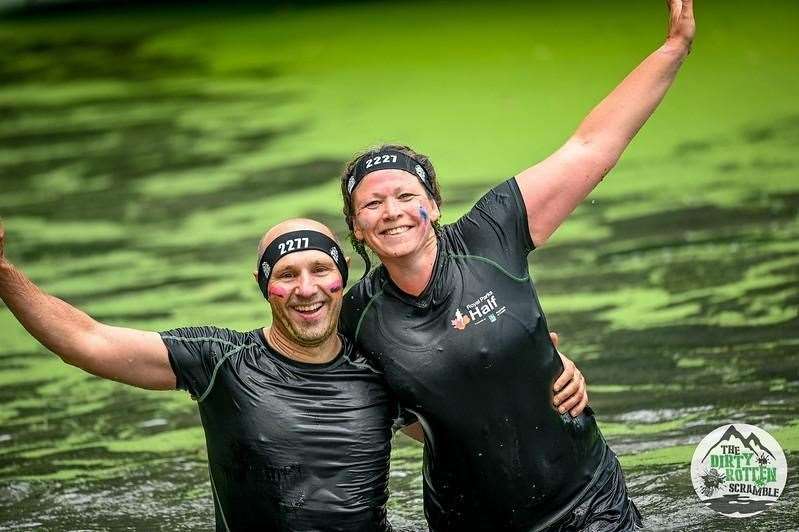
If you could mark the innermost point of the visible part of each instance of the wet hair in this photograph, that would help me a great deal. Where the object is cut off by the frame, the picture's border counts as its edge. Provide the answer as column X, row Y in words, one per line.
column 349, row 209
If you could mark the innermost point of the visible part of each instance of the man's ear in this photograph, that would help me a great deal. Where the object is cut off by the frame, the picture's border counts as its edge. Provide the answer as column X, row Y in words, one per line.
column 348, row 260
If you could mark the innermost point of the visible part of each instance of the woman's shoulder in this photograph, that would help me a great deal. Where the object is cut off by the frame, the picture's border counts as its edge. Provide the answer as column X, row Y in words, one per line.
column 359, row 294
column 495, row 227
column 357, row 299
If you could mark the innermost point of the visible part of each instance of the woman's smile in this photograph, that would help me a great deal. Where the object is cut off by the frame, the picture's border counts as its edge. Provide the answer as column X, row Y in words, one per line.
column 398, row 230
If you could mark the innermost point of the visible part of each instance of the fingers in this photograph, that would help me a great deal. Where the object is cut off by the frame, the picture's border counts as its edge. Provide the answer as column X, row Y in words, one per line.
column 572, row 393
column 566, row 399
column 555, row 339
column 687, row 11
column 681, row 20
column 675, row 10
column 566, row 376
column 577, row 410
column 681, row 10
column 583, row 394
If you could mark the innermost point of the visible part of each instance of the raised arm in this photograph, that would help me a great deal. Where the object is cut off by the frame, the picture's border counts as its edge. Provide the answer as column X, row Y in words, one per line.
column 138, row 358
column 555, row 186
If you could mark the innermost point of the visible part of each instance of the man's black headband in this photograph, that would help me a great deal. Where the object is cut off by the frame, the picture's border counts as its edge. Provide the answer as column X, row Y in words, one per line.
column 298, row 241
column 387, row 160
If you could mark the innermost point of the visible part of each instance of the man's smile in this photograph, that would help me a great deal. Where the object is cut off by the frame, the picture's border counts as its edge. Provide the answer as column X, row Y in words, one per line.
column 308, row 310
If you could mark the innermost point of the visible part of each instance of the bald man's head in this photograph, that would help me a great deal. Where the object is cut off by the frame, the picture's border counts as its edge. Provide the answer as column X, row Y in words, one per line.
column 293, row 224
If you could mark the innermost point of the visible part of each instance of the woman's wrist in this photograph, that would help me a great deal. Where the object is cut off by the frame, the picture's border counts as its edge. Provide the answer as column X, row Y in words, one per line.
column 677, row 46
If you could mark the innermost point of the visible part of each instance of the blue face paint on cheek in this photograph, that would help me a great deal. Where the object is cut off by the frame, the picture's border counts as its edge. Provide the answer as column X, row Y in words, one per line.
column 423, row 214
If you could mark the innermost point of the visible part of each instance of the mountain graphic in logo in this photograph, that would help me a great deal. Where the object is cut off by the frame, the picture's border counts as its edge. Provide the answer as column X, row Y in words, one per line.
column 732, row 436
column 739, row 470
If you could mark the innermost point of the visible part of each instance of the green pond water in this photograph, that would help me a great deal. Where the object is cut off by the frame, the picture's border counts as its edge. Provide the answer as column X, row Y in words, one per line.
column 143, row 153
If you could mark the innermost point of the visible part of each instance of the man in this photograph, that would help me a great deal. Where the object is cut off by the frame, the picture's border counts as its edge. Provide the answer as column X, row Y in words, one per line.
column 297, row 425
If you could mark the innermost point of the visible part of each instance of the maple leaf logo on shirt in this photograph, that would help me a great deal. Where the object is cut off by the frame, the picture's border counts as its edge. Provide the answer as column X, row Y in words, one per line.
column 460, row 322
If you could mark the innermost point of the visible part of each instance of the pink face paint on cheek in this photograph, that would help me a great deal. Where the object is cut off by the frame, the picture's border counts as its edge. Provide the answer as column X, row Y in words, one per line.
column 277, row 291
column 335, row 287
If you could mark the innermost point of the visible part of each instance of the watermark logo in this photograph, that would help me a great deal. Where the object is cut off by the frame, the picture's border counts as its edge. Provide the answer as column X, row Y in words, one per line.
column 739, row 470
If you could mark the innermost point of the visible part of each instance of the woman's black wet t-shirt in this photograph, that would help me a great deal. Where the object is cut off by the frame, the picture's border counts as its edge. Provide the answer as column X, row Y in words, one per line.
column 472, row 358
column 291, row 446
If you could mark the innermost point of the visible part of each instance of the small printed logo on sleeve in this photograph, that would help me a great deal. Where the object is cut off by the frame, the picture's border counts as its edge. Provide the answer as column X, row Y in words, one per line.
column 485, row 308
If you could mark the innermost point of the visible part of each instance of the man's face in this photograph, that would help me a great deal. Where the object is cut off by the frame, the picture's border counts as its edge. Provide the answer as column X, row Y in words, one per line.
column 305, row 293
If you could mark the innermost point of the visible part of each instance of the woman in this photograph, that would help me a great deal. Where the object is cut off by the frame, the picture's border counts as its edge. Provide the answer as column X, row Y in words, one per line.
column 446, row 318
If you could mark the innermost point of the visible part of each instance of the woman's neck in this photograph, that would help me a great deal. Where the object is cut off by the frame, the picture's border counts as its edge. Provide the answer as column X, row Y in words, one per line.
column 317, row 354
column 412, row 273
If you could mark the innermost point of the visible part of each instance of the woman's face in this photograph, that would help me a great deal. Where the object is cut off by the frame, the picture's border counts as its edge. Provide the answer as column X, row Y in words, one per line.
column 393, row 214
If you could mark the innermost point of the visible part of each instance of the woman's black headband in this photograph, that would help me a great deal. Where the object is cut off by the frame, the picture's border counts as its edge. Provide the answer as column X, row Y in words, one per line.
column 298, row 241
column 387, row 160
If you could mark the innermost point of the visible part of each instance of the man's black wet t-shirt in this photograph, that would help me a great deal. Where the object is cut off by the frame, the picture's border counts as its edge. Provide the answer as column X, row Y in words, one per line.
column 291, row 446
column 472, row 358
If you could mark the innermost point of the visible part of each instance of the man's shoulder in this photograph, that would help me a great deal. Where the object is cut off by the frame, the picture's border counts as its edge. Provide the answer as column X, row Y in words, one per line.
column 350, row 348
column 356, row 358
column 209, row 333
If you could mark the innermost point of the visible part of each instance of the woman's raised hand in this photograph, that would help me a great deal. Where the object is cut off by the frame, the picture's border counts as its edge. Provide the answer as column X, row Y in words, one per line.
column 682, row 26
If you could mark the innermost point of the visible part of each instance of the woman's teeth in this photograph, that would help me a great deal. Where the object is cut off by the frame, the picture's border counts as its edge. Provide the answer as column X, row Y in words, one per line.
column 396, row 230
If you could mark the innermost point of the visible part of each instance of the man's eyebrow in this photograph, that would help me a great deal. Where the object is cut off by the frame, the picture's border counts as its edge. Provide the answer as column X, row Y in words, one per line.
column 282, row 269
column 295, row 267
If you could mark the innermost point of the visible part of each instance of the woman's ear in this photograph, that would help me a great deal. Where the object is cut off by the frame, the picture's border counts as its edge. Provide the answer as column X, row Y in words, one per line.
column 435, row 213
column 356, row 230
